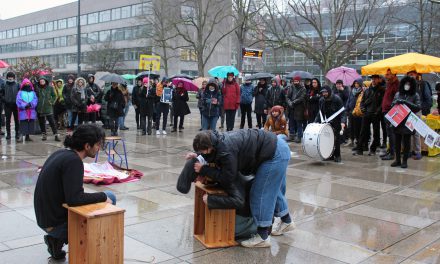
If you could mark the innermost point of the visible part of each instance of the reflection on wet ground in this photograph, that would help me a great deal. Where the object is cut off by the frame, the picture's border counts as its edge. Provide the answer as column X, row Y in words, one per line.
column 360, row 211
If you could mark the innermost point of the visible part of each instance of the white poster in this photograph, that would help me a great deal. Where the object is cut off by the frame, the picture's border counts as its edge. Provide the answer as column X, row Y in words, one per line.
column 421, row 128
column 411, row 121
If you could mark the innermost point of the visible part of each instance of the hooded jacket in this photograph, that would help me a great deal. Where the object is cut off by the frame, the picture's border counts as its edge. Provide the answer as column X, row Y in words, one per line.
column 371, row 104
column 231, row 95
column 354, row 94
column 236, row 152
column 8, row 92
column 27, row 101
column 79, row 97
column 246, row 93
column 275, row 96
column 146, row 99
column 260, row 98
column 115, row 102
column 93, row 89
column 46, row 97
column 296, row 100
column 59, row 92
column 390, row 93
column 313, row 97
column 67, row 92
column 409, row 98
column 180, row 102
column 277, row 125
column 330, row 105
column 208, row 108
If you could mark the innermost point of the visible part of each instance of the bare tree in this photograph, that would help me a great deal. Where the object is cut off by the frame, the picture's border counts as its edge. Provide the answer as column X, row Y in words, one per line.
column 422, row 17
column 328, row 32
column 202, row 26
column 104, row 57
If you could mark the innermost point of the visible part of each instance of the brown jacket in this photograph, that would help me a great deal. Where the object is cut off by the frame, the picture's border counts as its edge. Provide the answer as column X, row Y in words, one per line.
column 277, row 126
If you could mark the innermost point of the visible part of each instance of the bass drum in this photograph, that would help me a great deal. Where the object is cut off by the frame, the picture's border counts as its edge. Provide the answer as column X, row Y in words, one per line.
column 318, row 141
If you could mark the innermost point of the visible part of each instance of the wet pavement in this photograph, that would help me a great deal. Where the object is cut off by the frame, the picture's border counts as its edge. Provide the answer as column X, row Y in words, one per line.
column 359, row 211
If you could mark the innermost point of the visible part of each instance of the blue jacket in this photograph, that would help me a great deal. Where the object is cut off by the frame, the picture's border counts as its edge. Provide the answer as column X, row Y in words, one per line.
column 247, row 93
column 209, row 109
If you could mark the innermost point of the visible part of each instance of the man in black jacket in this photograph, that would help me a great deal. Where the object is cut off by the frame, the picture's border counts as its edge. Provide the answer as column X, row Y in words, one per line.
column 67, row 95
column 8, row 95
column 330, row 104
column 251, row 151
column 94, row 96
column 61, row 181
column 296, row 101
column 371, row 106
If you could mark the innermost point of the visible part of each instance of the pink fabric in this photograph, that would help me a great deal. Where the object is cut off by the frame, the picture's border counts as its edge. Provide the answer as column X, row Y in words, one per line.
column 134, row 175
column 93, row 108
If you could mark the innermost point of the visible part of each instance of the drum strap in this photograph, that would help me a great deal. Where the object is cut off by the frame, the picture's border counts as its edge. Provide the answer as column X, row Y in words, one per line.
column 325, row 120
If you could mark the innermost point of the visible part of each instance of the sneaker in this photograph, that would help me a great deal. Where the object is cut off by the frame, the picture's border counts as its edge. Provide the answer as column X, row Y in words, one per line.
column 44, row 137
column 28, row 138
column 358, row 153
column 389, row 156
column 417, row 156
column 281, row 228
column 396, row 163
column 55, row 247
column 57, row 138
column 337, row 159
column 372, row 153
column 256, row 241
column 157, row 132
column 349, row 144
column 8, row 136
column 164, row 132
column 384, row 154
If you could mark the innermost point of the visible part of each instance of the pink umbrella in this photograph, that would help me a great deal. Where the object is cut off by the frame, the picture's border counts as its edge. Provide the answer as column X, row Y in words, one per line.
column 187, row 84
column 347, row 75
column 3, row 64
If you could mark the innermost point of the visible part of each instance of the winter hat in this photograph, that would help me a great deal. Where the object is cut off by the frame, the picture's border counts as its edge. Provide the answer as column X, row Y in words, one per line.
column 71, row 77
column 164, row 79
column 326, row 88
column 277, row 108
column 297, row 78
column 10, row 75
column 145, row 80
column 230, row 74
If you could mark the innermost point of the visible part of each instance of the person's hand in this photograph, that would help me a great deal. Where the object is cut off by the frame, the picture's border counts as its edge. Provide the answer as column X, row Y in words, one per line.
column 265, row 112
column 343, row 126
column 190, row 155
column 197, row 167
column 214, row 101
column 205, row 198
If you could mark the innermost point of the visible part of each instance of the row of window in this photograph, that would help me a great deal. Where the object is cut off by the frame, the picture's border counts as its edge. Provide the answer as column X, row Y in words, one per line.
column 86, row 19
column 59, row 61
column 127, row 33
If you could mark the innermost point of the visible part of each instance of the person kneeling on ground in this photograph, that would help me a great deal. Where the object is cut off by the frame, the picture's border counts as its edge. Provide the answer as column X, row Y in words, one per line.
column 61, row 181
column 277, row 122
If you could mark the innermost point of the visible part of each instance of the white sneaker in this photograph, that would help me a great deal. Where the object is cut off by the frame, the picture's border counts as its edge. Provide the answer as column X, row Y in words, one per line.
column 280, row 228
column 164, row 132
column 157, row 132
column 256, row 241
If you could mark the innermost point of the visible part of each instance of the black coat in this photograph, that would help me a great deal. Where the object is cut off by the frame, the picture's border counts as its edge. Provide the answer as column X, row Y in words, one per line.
column 146, row 100
column 344, row 94
column 95, row 91
column 8, row 93
column 328, row 108
column 180, row 105
column 67, row 95
column 135, row 95
column 275, row 96
column 260, row 99
column 371, row 104
column 296, row 100
column 409, row 98
column 313, row 103
column 115, row 103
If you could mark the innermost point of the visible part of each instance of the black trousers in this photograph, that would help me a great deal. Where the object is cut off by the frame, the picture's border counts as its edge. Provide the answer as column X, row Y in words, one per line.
column 144, row 126
column 92, row 117
column 261, row 120
column 137, row 116
column 365, row 131
column 162, row 109
column 246, row 111
column 337, row 152
column 42, row 121
column 230, row 119
column 81, row 118
column 58, row 109
column 355, row 125
column 182, row 119
column 406, row 145
column 9, row 111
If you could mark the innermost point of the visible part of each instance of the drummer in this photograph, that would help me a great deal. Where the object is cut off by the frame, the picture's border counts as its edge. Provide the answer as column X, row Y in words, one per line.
column 330, row 104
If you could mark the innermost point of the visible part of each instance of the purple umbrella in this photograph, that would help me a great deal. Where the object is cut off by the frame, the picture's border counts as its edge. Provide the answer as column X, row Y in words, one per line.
column 187, row 84
column 347, row 75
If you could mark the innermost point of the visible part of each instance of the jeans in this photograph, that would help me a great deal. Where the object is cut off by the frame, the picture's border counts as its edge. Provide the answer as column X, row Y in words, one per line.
column 245, row 227
column 114, row 124
column 295, row 126
column 267, row 191
column 69, row 118
column 261, row 120
column 209, row 122
column 111, row 196
column 246, row 111
column 9, row 111
column 121, row 120
column 74, row 121
column 230, row 119
column 162, row 109
column 355, row 124
column 42, row 121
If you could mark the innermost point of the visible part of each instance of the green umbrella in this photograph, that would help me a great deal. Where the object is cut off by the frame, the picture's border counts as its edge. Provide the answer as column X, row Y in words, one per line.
column 129, row 76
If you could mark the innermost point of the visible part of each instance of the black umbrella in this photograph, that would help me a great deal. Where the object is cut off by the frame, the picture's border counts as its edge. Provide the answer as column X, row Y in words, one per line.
column 146, row 73
column 260, row 75
column 182, row 76
column 302, row 74
column 113, row 78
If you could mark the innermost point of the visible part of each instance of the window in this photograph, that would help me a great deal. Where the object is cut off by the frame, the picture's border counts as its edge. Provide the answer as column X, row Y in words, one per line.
column 92, row 18
column 104, row 16
column 83, row 20
column 188, row 55
column 62, row 23
column 84, row 38
column 116, row 13
column 104, row 35
column 128, row 33
column 71, row 40
column 22, row 31
column 55, row 25
column 92, row 37
column 71, row 22
column 136, row 10
column 49, row 26
column 3, row 34
column 48, row 43
column 9, row 34
column 40, row 28
column 118, row 34
column 16, row 33
column 125, row 11
column 40, row 44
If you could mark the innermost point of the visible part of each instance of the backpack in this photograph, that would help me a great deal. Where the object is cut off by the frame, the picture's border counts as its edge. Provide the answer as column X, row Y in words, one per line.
column 357, row 108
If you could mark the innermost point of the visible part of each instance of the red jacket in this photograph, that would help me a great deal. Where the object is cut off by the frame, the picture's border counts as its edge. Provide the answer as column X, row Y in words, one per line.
column 231, row 95
column 390, row 92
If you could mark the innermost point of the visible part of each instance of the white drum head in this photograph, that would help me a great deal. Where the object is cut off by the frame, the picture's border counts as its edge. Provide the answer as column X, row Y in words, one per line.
column 326, row 141
column 318, row 141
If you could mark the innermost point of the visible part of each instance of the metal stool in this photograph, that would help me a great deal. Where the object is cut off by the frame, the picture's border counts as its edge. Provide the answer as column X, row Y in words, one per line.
column 110, row 150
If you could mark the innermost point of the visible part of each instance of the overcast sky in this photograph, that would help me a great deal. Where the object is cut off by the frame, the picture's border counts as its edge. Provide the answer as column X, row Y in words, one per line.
column 20, row 7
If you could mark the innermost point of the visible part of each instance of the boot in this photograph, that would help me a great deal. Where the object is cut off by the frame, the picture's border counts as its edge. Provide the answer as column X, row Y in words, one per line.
column 57, row 137
column 55, row 247
column 389, row 156
column 404, row 161
column 28, row 138
column 292, row 138
column 396, row 162
column 44, row 138
column 8, row 135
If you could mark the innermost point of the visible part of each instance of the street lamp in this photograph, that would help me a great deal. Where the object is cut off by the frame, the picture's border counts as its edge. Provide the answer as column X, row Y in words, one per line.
column 78, row 40
column 435, row 1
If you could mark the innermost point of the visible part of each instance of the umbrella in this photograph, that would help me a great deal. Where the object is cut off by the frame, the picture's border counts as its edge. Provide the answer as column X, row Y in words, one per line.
column 302, row 74
column 3, row 64
column 347, row 75
column 260, row 75
column 112, row 78
column 128, row 76
column 182, row 76
column 222, row 71
column 198, row 81
column 402, row 64
column 146, row 73
column 187, row 84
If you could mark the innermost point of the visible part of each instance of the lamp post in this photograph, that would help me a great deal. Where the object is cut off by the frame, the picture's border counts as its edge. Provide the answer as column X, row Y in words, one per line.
column 78, row 40
column 435, row 1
